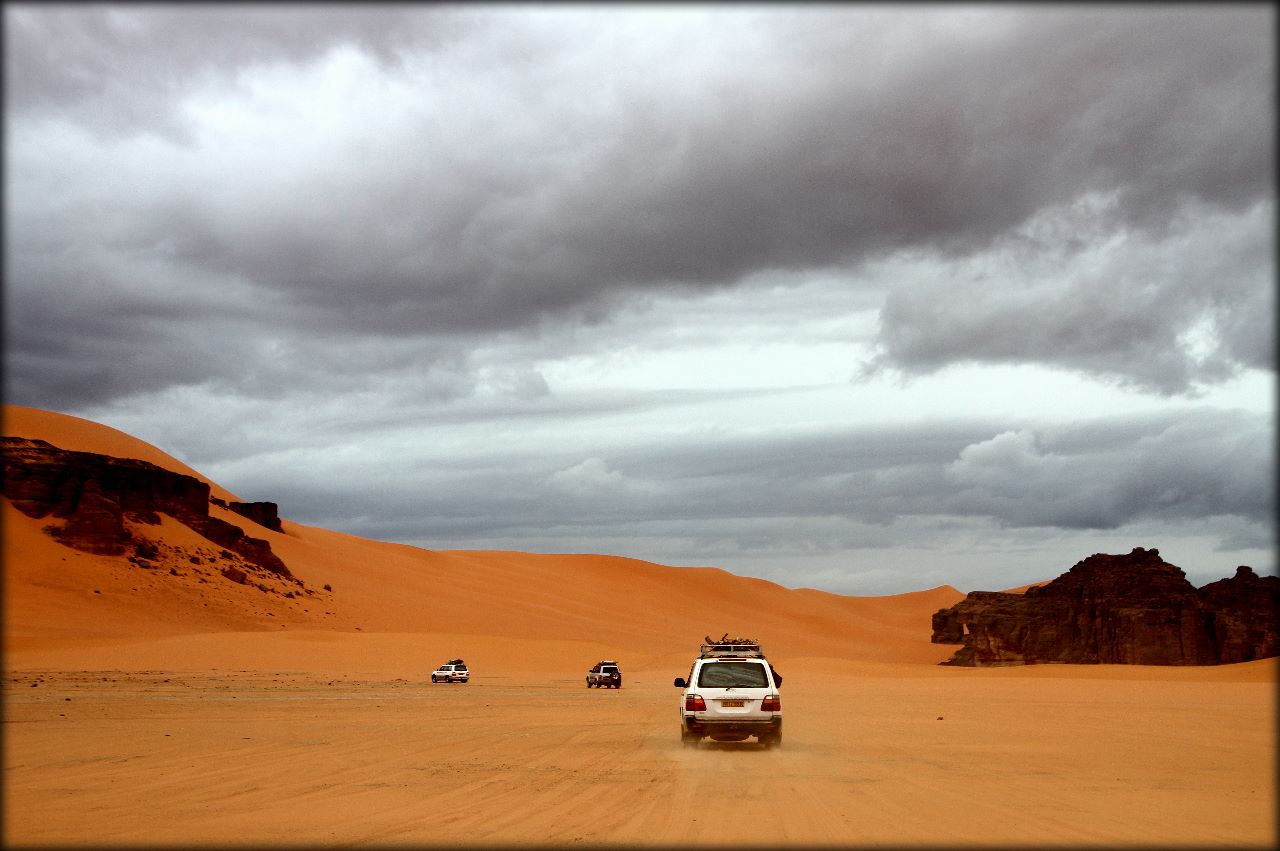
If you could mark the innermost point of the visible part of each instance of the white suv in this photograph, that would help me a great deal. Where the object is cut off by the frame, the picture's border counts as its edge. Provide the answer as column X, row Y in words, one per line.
column 453, row 671
column 604, row 674
column 731, row 694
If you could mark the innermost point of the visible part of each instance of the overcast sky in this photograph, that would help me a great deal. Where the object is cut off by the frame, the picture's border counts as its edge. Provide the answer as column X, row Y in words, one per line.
column 860, row 298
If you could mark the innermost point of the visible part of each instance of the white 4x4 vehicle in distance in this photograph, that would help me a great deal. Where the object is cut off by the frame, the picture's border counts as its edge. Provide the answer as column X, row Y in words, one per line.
column 453, row 671
column 605, row 674
column 731, row 694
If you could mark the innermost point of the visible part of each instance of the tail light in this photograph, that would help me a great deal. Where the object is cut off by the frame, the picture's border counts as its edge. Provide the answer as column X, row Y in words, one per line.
column 694, row 703
column 772, row 703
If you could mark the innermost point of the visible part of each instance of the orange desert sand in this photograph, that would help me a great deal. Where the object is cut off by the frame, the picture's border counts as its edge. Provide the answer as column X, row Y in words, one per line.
column 148, row 708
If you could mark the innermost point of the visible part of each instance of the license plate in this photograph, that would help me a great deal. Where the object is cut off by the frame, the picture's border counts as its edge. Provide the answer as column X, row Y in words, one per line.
column 733, row 703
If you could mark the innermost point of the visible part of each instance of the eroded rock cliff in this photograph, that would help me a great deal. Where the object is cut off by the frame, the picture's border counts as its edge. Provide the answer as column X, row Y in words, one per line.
column 96, row 494
column 1118, row 609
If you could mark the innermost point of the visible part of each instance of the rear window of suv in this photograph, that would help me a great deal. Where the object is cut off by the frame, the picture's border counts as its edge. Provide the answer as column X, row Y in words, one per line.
column 733, row 675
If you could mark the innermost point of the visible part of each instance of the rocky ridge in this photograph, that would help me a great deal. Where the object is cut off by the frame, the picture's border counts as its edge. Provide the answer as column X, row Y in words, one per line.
column 1132, row 609
column 100, row 504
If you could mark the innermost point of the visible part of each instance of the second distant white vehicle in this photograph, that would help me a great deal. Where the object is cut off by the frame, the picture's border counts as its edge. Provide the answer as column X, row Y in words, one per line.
column 605, row 674
column 453, row 671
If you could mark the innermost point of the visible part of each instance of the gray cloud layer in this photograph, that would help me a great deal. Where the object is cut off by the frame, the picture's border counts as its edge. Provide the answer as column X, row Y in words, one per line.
column 409, row 171
column 265, row 214
column 1095, row 474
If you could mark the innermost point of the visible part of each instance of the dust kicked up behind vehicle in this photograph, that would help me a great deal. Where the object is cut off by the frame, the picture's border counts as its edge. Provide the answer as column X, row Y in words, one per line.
column 731, row 695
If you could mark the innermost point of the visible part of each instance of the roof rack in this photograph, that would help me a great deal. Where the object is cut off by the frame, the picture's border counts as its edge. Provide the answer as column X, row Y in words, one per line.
column 739, row 649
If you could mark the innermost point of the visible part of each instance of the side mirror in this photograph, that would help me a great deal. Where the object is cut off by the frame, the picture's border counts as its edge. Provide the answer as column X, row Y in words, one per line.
column 680, row 683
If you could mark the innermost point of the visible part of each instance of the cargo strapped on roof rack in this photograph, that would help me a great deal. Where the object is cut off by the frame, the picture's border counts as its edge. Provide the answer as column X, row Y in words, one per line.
column 739, row 650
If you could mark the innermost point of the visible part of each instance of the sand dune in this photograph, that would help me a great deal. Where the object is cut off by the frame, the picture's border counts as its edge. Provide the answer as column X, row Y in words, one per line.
column 378, row 587
column 172, row 705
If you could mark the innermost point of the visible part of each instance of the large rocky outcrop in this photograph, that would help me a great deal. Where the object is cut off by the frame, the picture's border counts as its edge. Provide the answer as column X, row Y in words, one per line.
column 95, row 494
column 1246, row 615
column 1118, row 609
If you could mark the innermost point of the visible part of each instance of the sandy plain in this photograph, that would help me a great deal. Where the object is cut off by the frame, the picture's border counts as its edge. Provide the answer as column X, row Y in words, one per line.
column 167, row 706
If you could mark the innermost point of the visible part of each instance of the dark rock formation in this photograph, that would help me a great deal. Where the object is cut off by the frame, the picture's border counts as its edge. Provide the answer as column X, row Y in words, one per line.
column 263, row 513
column 1118, row 609
column 236, row 575
column 95, row 494
column 254, row 550
column 1245, row 609
column 97, row 525
column 41, row 479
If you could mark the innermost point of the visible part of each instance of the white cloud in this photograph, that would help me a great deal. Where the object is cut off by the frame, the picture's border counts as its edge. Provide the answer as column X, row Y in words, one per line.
column 588, row 479
column 1009, row 464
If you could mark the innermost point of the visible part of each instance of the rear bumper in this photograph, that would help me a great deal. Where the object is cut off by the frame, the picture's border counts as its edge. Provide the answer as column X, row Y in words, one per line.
column 752, row 727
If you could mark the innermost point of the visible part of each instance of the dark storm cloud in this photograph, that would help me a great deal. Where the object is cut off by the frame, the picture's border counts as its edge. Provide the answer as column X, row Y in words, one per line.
column 490, row 168
column 1191, row 309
